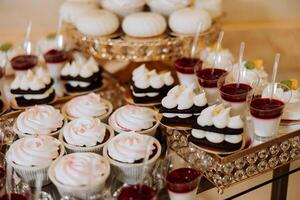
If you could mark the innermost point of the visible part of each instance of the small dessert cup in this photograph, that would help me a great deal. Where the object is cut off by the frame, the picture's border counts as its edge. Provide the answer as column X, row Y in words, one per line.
column 233, row 93
column 185, row 69
column 266, row 110
column 138, row 191
column 95, row 149
column 131, row 173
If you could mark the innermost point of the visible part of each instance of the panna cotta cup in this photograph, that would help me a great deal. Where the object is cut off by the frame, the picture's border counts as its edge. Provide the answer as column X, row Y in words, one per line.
column 138, row 191
column 185, row 70
column 234, row 93
column 266, row 110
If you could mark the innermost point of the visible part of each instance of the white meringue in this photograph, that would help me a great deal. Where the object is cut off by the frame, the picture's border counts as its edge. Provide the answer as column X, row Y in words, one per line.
column 166, row 7
column 123, row 7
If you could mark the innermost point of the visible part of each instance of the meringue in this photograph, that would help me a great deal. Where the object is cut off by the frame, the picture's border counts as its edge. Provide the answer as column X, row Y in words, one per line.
column 123, row 7
column 166, row 7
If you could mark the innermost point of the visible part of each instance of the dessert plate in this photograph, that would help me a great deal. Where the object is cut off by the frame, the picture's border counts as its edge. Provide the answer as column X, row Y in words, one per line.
column 128, row 98
column 170, row 126
column 220, row 151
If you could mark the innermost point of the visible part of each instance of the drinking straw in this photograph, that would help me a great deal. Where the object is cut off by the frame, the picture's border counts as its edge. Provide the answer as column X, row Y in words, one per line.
column 27, row 43
column 59, row 36
column 38, row 186
column 241, row 55
column 274, row 73
column 196, row 38
column 220, row 38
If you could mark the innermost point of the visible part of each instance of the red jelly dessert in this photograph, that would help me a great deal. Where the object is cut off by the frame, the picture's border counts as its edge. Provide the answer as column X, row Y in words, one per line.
column 182, row 180
column 187, row 65
column 234, row 92
column 14, row 196
column 209, row 77
column 56, row 56
column 266, row 108
column 23, row 62
column 137, row 192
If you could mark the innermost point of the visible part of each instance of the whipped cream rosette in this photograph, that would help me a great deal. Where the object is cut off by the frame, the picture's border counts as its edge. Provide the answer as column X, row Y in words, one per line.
column 90, row 105
column 32, row 156
column 86, row 134
column 216, row 128
column 126, row 152
column 39, row 120
column 80, row 174
column 130, row 118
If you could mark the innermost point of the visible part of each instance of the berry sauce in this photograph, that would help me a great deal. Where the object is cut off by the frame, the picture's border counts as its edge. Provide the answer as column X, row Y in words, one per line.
column 234, row 92
column 209, row 77
column 23, row 62
column 187, row 65
column 182, row 180
column 137, row 192
column 56, row 56
column 14, row 196
column 266, row 108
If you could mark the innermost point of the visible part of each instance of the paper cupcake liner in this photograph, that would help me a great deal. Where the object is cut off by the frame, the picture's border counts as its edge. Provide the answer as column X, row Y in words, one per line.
column 30, row 174
column 151, row 131
column 95, row 149
column 103, row 118
column 75, row 191
column 131, row 173
column 22, row 135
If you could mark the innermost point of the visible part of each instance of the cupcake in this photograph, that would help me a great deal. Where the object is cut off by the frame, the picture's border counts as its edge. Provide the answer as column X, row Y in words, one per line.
column 80, row 174
column 39, row 120
column 126, row 152
column 85, row 134
column 224, row 57
column 292, row 109
column 90, row 105
column 130, row 118
column 33, row 88
column 186, row 21
column 144, row 25
column 182, row 105
column 24, row 155
column 70, row 10
column 124, row 7
column 97, row 23
column 214, row 7
column 216, row 128
column 166, row 7
column 81, row 75
column 149, row 86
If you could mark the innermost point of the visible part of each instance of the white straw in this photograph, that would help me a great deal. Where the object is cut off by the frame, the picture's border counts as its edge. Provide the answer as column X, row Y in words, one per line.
column 196, row 38
column 38, row 186
column 59, row 36
column 274, row 73
column 27, row 44
column 219, row 42
column 241, row 55
column 146, row 158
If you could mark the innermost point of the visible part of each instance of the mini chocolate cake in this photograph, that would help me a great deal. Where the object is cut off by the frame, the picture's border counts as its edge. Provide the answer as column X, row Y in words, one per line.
column 33, row 88
column 149, row 86
column 82, row 75
column 181, row 106
column 217, row 129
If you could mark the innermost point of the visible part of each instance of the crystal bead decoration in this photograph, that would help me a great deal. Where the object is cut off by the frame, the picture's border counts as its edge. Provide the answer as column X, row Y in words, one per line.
column 295, row 141
column 240, row 163
column 263, row 154
column 228, row 168
column 273, row 162
column 227, row 180
column 294, row 152
column 284, row 157
column 274, row 150
column 252, row 158
column 262, row 166
column 251, row 170
column 285, row 146
column 239, row 175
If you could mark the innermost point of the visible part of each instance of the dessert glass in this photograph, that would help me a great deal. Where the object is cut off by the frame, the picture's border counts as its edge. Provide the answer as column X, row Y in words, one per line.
column 266, row 110
column 185, row 70
column 235, row 94
column 138, row 191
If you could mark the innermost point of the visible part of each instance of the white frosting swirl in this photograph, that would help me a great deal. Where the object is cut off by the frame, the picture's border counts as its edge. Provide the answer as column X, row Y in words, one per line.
column 221, row 116
column 40, row 119
column 134, row 118
column 129, row 147
column 184, row 97
column 216, row 137
column 143, row 78
column 34, row 151
column 33, row 80
column 235, row 122
column 82, row 169
column 224, row 57
column 84, row 132
column 205, row 118
column 90, row 105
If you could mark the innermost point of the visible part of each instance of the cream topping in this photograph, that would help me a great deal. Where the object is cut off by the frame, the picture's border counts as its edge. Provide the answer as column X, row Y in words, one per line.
column 134, row 118
column 129, row 147
column 224, row 57
column 90, row 105
column 216, row 137
column 34, row 151
column 40, row 119
column 38, row 96
column 82, row 169
column 84, row 132
column 184, row 97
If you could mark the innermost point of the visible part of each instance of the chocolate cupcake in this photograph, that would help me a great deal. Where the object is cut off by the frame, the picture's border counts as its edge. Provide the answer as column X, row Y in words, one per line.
column 33, row 88
column 149, row 86
column 81, row 75
column 217, row 129
column 182, row 105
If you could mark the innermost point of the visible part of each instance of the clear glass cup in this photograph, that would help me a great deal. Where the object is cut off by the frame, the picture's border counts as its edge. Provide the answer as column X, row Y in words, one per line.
column 185, row 70
column 136, row 192
column 267, row 108
column 234, row 93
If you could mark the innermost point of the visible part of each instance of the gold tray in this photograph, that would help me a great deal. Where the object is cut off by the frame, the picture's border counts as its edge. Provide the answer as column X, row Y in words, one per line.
column 121, row 47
